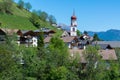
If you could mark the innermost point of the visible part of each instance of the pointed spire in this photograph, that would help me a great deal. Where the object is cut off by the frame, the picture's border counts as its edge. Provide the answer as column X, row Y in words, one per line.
column 73, row 16
column 73, row 12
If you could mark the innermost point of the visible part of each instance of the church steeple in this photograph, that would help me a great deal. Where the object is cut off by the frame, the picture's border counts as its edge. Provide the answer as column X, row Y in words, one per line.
column 73, row 29
column 73, row 16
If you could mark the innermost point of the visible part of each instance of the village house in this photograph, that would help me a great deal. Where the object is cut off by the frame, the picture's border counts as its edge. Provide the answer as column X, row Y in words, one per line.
column 30, row 38
column 113, row 44
column 7, row 32
column 26, row 37
column 77, row 44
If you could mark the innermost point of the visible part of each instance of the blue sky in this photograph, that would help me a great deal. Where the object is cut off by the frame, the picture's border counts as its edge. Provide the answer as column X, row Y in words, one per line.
column 92, row 15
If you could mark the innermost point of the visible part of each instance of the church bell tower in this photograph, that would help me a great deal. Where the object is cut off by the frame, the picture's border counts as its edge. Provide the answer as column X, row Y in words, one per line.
column 73, row 29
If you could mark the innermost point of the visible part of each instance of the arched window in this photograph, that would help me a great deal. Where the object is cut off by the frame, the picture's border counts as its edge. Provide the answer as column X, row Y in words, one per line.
column 73, row 29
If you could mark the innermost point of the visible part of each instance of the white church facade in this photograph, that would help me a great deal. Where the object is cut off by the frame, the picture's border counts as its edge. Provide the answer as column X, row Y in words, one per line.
column 73, row 27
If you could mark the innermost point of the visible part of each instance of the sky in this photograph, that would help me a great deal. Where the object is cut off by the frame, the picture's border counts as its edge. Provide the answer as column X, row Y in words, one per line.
column 92, row 15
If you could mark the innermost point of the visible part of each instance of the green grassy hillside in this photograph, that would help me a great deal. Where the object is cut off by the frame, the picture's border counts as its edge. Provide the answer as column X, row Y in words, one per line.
column 20, row 20
column 13, row 21
column 20, row 12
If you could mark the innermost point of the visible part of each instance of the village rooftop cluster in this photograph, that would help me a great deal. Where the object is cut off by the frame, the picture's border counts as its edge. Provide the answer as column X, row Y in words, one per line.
column 76, row 44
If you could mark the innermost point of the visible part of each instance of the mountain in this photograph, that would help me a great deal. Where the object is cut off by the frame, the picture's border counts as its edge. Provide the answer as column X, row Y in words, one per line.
column 64, row 26
column 109, row 35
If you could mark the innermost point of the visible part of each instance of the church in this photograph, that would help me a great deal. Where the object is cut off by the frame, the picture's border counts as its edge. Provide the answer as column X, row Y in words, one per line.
column 73, row 27
column 70, row 38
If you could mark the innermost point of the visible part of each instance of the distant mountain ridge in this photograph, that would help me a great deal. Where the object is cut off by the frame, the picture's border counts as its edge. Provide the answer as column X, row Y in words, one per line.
column 109, row 35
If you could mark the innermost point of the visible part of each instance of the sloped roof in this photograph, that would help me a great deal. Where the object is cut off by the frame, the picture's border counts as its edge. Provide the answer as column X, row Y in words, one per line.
column 24, row 31
column 65, row 33
column 9, row 31
column 47, row 39
column 47, row 31
column 2, row 32
column 113, row 44
column 103, row 46
column 65, row 39
column 68, row 38
column 106, row 54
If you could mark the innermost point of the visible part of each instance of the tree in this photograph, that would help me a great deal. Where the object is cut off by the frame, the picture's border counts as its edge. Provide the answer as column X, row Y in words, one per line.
column 94, row 63
column 31, row 63
column 52, row 19
column 40, row 40
column 96, row 38
column 35, row 20
column 85, row 32
column 78, row 33
column 60, row 73
column 2, row 8
column 8, row 58
column 40, row 47
column 21, row 4
column 37, row 12
column 5, row 6
column 28, row 6
column 43, row 16
column 58, row 60
column 58, row 53
column 8, row 5
column 8, row 73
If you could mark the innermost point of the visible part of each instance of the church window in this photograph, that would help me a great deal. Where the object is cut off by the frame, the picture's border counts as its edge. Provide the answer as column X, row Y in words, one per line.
column 73, row 29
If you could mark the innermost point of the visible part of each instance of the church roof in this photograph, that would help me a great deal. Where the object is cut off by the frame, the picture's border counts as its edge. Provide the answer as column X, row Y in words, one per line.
column 73, row 16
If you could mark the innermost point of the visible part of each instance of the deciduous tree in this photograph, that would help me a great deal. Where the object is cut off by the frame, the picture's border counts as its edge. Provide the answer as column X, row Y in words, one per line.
column 28, row 6
column 96, row 38
column 21, row 4
column 43, row 16
column 52, row 19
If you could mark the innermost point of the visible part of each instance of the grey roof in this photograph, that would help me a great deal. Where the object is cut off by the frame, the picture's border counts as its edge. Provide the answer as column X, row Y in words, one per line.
column 36, row 30
column 84, row 42
column 113, row 44
column 24, row 31
column 102, row 46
